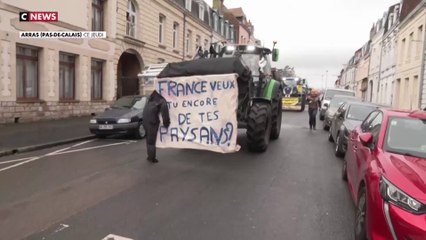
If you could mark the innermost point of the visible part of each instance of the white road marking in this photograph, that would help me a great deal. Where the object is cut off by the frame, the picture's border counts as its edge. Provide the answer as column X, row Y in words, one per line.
column 95, row 147
column 16, row 160
column 61, row 227
column 19, row 164
column 115, row 237
column 79, row 144
column 58, row 152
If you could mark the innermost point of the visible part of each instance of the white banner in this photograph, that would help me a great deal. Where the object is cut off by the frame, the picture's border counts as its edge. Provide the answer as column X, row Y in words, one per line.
column 203, row 113
column 62, row 34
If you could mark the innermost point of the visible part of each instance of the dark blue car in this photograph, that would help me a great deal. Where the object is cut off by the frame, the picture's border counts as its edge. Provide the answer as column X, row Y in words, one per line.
column 123, row 116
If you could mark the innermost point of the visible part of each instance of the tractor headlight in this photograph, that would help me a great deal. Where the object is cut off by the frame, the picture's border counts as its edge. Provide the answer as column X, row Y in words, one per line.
column 399, row 198
column 250, row 48
column 230, row 48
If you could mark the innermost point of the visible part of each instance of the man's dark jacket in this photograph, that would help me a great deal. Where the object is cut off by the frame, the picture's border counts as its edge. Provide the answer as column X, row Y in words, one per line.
column 156, row 104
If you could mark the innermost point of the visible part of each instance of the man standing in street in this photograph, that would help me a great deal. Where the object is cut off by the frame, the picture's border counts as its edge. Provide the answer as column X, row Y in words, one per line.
column 151, row 121
column 314, row 103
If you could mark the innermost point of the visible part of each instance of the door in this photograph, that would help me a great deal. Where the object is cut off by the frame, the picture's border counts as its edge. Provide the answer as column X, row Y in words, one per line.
column 351, row 153
column 364, row 154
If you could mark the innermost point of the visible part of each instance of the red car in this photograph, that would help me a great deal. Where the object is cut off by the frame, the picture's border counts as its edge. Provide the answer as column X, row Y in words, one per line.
column 385, row 166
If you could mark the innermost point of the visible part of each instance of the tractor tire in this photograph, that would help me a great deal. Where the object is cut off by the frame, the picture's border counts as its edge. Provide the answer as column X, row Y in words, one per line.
column 277, row 113
column 259, row 126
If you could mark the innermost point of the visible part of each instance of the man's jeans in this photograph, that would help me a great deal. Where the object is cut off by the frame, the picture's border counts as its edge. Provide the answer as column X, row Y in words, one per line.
column 313, row 117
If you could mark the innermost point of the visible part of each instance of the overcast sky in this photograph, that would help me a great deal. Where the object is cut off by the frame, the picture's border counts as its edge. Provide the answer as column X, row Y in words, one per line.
column 313, row 35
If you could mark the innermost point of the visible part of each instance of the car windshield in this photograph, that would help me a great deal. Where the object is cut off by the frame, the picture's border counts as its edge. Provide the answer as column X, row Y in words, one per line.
column 290, row 82
column 130, row 102
column 330, row 93
column 252, row 62
column 140, row 104
column 336, row 102
column 406, row 136
column 359, row 112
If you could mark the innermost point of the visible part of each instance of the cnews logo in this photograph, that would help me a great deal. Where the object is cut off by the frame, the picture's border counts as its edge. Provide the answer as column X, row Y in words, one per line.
column 38, row 16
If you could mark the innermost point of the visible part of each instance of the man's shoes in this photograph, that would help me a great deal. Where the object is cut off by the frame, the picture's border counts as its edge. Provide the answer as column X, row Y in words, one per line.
column 152, row 160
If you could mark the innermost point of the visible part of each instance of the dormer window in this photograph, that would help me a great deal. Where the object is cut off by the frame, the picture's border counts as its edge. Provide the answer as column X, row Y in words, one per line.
column 188, row 4
column 201, row 12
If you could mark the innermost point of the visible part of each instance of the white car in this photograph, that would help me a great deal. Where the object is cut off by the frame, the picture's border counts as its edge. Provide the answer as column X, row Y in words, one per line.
column 328, row 95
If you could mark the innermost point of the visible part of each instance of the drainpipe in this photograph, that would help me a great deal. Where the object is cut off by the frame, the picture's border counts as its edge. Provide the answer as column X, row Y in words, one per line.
column 380, row 68
column 184, row 36
column 422, row 67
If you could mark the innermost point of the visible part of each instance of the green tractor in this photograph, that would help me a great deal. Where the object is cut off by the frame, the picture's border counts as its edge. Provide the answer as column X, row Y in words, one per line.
column 260, row 105
column 259, row 95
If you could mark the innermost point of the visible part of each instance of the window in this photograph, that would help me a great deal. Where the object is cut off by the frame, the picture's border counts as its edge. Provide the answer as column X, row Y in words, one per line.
column 175, row 34
column 197, row 41
column 66, row 76
column 161, row 21
column 402, row 49
column 188, row 41
column 410, row 45
column 97, row 79
column 418, row 42
column 365, row 125
column 131, row 19
column 26, row 72
column 206, row 44
column 188, row 4
column 215, row 22
column 374, row 128
column 97, row 15
column 201, row 11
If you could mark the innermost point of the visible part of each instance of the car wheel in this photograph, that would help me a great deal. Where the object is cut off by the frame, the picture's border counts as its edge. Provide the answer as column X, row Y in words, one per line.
column 338, row 150
column 140, row 132
column 345, row 170
column 325, row 126
column 361, row 216
column 330, row 137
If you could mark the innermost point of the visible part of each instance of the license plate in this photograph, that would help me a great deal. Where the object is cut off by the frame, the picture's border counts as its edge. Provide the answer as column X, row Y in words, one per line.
column 106, row 127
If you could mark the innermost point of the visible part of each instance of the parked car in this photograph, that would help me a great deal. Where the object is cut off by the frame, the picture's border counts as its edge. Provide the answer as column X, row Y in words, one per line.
column 348, row 116
column 328, row 95
column 331, row 108
column 123, row 116
column 386, row 173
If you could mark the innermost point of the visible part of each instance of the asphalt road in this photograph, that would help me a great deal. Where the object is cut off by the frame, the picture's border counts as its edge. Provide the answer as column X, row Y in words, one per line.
column 93, row 189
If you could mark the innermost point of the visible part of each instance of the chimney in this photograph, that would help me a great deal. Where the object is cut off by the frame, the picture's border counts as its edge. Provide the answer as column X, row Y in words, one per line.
column 218, row 5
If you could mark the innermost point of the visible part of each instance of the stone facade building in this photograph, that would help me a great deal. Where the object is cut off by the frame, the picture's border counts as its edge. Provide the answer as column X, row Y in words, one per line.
column 58, row 78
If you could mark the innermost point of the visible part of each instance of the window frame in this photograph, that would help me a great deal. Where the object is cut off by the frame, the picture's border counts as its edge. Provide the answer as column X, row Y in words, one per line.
column 129, row 13
column 73, row 66
column 101, row 8
column 161, row 26
column 99, row 69
column 175, row 35
column 201, row 9
column 188, row 5
column 26, row 58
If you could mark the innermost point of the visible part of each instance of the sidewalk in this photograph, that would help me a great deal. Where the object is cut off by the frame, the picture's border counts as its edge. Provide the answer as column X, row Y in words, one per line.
column 22, row 137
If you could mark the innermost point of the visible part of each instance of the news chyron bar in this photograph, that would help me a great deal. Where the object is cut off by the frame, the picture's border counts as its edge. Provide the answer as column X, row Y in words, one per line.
column 53, row 17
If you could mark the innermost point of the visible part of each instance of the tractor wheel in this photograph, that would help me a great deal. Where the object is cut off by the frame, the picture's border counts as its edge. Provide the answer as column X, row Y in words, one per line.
column 277, row 113
column 259, row 127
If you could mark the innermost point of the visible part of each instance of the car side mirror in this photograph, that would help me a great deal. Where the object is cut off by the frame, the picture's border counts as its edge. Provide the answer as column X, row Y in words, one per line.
column 275, row 55
column 366, row 138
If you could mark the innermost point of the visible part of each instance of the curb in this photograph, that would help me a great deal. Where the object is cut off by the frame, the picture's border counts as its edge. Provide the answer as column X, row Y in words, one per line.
column 44, row 145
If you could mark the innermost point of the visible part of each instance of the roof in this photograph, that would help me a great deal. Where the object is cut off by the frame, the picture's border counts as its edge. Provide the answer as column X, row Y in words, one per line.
column 238, row 12
column 392, row 112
